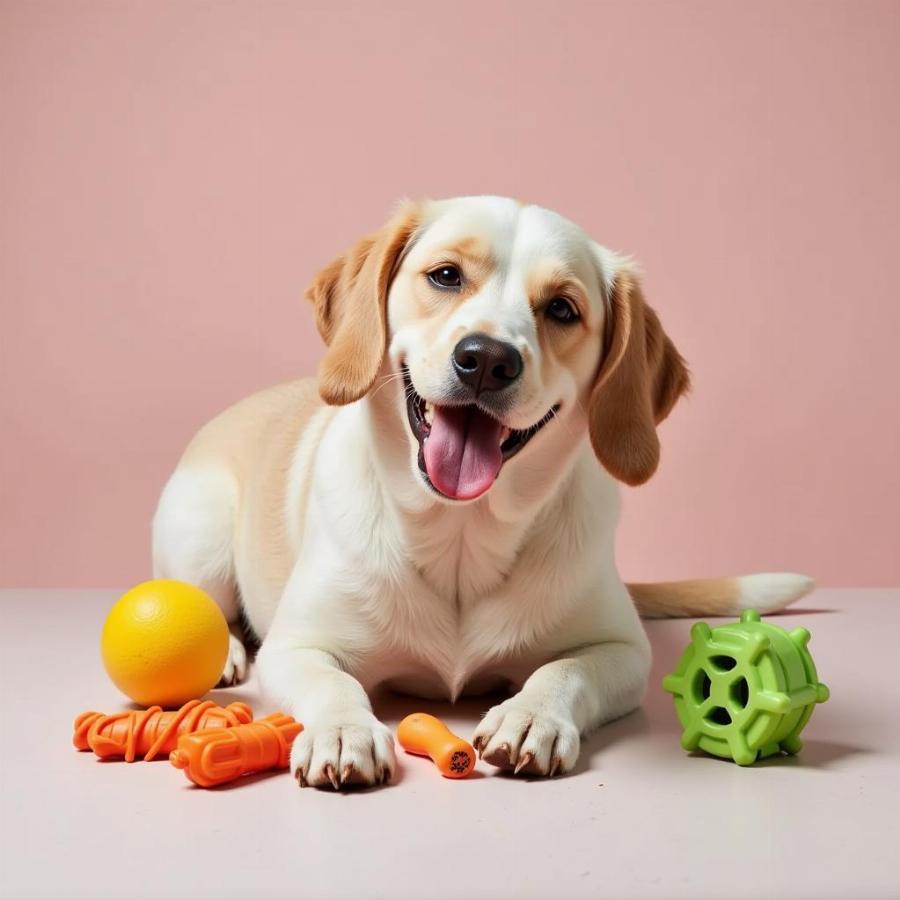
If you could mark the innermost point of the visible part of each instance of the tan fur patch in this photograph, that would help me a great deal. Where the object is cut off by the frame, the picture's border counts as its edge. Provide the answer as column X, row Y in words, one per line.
column 704, row 597
column 471, row 256
column 350, row 297
column 484, row 326
column 640, row 379
column 560, row 344
column 544, row 282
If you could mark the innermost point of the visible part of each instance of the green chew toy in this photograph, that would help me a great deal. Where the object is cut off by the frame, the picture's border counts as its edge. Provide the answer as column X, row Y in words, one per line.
column 746, row 690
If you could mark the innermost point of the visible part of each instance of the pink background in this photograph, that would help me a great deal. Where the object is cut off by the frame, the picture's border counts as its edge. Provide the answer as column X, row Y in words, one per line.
column 174, row 173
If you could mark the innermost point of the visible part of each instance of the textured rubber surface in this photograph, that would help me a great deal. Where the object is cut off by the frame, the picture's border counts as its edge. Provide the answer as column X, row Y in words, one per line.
column 746, row 690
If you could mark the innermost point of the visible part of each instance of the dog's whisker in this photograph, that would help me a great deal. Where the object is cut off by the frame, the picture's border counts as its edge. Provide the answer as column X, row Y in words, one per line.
column 387, row 379
column 555, row 413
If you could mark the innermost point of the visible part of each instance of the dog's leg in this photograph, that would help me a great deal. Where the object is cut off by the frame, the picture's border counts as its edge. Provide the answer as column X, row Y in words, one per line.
column 342, row 743
column 537, row 731
column 193, row 532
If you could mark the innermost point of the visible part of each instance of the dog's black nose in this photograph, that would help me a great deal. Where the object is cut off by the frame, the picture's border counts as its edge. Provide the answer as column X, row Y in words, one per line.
column 486, row 364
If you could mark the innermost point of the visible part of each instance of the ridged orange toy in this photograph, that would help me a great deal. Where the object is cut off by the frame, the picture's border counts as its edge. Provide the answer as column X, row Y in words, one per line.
column 149, row 733
column 210, row 758
column 426, row 735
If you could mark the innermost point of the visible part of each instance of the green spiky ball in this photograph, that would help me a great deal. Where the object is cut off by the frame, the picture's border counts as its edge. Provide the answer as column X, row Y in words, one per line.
column 746, row 690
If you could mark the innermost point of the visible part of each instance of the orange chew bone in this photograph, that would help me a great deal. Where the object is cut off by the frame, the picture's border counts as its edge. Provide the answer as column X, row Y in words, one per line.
column 214, row 757
column 425, row 735
column 151, row 732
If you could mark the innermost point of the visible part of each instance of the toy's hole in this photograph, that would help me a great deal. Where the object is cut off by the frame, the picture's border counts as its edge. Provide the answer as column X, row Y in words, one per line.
column 739, row 692
column 701, row 686
column 725, row 663
column 719, row 715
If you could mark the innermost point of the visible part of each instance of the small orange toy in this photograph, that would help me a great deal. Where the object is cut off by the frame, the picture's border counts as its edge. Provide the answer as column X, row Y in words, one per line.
column 426, row 735
column 151, row 732
column 210, row 758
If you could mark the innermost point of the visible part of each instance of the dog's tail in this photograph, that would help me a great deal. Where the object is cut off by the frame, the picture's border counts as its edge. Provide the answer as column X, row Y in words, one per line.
column 719, row 596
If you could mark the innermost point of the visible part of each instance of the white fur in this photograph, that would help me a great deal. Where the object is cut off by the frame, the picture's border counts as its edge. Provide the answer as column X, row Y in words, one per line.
column 193, row 532
column 384, row 583
column 768, row 591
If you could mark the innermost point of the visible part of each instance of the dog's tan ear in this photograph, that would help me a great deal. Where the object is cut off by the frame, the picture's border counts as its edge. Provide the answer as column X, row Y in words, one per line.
column 350, row 299
column 640, row 378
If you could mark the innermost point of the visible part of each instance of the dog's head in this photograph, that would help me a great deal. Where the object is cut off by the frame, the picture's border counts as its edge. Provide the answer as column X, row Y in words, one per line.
column 504, row 322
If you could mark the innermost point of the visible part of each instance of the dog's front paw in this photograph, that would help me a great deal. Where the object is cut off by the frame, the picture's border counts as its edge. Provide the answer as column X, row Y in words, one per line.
column 514, row 735
column 339, row 751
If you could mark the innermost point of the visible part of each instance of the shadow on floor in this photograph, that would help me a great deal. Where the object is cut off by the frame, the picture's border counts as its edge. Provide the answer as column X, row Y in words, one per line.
column 816, row 754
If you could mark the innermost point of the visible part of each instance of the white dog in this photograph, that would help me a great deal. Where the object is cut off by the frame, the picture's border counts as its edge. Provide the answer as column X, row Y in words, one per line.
column 444, row 521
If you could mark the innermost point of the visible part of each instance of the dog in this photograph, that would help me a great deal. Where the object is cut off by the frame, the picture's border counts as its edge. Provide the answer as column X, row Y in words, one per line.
column 436, row 511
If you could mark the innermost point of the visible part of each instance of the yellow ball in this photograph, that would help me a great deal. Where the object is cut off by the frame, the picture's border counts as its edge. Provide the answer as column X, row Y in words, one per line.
column 164, row 643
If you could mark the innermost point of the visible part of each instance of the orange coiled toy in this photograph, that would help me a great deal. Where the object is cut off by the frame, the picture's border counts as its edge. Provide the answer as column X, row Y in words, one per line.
column 214, row 757
column 152, row 732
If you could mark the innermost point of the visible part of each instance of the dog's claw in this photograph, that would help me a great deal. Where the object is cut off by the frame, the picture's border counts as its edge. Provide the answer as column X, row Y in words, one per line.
column 523, row 761
column 300, row 779
column 346, row 774
column 332, row 777
column 554, row 765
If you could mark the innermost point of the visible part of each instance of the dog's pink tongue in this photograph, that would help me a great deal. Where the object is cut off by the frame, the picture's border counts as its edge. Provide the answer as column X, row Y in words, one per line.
column 462, row 453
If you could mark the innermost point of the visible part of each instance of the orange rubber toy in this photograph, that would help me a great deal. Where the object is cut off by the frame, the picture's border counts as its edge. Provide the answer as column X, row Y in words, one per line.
column 425, row 735
column 210, row 758
column 152, row 732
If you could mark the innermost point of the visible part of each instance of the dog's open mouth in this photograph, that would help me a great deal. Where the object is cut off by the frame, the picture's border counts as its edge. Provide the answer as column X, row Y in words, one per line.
column 462, row 448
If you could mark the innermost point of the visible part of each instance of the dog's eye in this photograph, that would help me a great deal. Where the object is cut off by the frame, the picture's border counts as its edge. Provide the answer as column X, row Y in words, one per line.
column 446, row 277
column 561, row 310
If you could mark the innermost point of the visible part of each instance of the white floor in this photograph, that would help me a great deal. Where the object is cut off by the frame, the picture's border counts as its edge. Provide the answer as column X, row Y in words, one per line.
column 639, row 817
